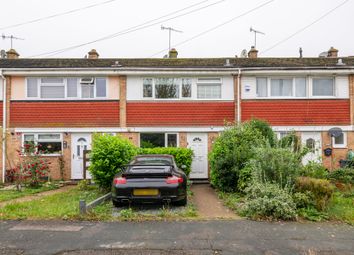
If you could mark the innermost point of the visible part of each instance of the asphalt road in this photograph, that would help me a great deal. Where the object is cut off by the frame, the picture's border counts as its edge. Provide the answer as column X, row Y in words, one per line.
column 183, row 237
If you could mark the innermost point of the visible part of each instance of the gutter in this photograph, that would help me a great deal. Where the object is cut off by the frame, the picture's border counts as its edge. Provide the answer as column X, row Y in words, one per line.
column 3, row 126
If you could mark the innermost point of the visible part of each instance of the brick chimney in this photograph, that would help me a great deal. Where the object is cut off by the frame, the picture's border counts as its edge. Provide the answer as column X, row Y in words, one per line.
column 253, row 53
column 173, row 53
column 93, row 54
column 12, row 54
column 332, row 53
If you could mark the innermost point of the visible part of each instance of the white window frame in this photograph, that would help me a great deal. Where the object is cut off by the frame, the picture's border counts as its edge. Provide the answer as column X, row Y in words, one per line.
column 322, row 77
column 166, row 141
column 210, row 82
column 45, row 140
column 340, row 146
column 293, row 91
column 78, row 97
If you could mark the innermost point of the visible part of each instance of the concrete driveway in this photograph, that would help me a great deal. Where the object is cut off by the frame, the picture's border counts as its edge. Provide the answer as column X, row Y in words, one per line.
column 190, row 237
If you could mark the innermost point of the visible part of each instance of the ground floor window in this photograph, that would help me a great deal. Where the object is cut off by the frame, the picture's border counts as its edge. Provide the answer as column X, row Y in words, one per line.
column 48, row 144
column 152, row 140
column 340, row 141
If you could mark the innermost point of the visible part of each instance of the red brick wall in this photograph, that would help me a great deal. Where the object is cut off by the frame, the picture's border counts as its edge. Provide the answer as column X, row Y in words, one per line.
column 64, row 114
column 298, row 112
column 179, row 113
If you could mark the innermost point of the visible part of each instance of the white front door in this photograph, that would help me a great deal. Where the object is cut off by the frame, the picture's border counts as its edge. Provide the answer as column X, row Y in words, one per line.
column 312, row 140
column 198, row 142
column 79, row 143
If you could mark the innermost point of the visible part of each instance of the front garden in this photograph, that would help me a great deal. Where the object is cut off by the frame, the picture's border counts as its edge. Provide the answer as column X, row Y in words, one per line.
column 262, row 177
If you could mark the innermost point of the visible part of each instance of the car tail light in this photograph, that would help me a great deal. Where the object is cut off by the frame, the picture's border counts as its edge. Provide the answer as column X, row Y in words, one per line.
column 174, row 179
column 120, row 180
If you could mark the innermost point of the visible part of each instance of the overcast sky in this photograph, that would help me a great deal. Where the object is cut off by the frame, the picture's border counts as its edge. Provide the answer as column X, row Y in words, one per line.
column 277, row 20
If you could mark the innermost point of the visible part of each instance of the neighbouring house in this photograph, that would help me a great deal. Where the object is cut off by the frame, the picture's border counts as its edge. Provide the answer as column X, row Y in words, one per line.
column 59, row 103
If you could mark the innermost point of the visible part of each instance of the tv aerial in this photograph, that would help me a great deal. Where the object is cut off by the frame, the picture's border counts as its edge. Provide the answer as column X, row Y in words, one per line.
column 170, row 29
column 11, row 37
column 255, row 35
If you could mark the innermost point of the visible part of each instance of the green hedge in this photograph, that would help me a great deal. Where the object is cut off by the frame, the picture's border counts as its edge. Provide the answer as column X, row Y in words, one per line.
column 183, row 156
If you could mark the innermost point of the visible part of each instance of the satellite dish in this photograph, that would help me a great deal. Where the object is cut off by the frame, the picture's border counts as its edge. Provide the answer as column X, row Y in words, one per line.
column 323, row 54
column 243, row 54
column 335, row 132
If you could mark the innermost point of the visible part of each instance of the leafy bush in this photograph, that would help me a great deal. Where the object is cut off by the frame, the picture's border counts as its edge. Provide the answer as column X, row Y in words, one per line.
column 311, row 213
column 264, row 128
column 276, row 165
column 109, row 154
column 344, row 175
column 244, row 179
column 269, row 200
column 314, row 170
column 320, row 190
column 302, row 200
column 183, row 156
column 231, row 152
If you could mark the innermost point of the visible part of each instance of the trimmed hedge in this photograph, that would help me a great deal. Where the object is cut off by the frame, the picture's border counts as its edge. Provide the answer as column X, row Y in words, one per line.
column 183, row 156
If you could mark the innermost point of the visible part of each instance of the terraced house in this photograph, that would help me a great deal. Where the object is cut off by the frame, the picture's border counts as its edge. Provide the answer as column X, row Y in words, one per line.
column 60, row 103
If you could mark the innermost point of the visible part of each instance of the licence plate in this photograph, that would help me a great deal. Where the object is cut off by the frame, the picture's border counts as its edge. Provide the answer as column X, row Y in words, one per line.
column 145, row 192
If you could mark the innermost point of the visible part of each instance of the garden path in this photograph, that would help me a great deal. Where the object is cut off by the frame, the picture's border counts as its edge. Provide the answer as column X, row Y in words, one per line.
column 209, row 206
column 37, row 196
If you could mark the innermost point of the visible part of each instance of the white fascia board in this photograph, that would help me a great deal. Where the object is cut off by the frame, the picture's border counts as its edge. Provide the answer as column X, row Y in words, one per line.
column 299, row 72
column 309, row 128
column 119, row 130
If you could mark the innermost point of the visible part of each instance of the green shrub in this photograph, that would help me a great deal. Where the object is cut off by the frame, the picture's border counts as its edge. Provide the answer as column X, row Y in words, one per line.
column 183, row 156
column 320, row 190
column 109, row 154
column 311, row 213
column 231, row 152
column 264, row 128
column 302, row 200
column 277, row 165
column 244, row 179
column 314, row 170
column 84, row 184
column 268, row 200
column 344, row 175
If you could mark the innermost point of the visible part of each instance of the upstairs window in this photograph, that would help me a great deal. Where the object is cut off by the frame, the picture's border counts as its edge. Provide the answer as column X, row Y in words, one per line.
column 166, row 88
column 262, row 88
column 209, row 88
column 65, row 88
column 323, row 87
column 281, row 87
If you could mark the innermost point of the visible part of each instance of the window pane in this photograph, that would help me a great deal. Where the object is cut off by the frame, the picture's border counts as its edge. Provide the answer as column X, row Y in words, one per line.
column 49, row 147
column 72, row 87
column 171, row 140
column 28, row 138
column 281, row 87
column 147, row 88
column 186, row 88
column 87, row 91
column 100, row 87
column 151, row 140
column 49, row 136
column 322, row 87
column 261, row 87
column 339, row 140
column 32, row 87
column 209, row 91
column 52, row 80
column 300, row 87
column 52, row 92
column 166, row 88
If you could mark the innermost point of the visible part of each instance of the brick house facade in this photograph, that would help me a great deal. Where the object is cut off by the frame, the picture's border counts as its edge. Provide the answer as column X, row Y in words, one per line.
column 60, row 103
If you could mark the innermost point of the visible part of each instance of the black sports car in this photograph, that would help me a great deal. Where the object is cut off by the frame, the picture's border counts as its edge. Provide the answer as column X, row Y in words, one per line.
column 150, row 178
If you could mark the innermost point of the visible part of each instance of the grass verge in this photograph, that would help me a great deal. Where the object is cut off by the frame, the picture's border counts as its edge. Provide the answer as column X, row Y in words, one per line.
column 6, row 195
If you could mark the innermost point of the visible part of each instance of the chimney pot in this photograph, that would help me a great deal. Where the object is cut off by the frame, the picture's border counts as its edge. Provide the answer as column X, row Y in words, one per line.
column 253, row 53
column 93, row 54
column 173, row 53
column 12, row 54
column 332, row 53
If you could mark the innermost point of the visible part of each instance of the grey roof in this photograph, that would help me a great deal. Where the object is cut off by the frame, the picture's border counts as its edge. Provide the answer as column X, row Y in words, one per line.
column 176, row 63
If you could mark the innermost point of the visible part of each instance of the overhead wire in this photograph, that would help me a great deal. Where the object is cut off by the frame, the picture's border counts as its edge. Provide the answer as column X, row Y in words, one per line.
column 135, row 28
column 305, row 27
column 56, row 15
column 216, row 27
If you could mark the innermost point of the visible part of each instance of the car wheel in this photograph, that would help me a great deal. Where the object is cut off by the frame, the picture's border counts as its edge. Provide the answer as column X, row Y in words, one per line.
column 117, row 204
column 182, row 202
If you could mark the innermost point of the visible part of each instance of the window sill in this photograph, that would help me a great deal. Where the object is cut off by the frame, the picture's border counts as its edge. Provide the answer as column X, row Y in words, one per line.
column 340, row 147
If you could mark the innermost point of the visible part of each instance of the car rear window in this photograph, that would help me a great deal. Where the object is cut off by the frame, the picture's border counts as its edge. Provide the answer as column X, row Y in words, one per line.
column 153, row 161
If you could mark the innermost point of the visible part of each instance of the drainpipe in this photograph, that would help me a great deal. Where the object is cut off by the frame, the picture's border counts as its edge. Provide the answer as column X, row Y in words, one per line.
column 3, row 126
column 239, row 96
